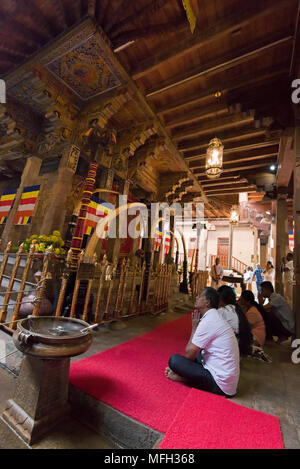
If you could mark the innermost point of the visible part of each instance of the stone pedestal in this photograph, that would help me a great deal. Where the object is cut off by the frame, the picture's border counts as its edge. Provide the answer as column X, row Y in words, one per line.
column 40, row 400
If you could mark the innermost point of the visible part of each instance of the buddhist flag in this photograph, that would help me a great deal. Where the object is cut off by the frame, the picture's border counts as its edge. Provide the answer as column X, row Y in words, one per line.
column 6, row 203
column 97, row 210
column 291, row 238
column 167, row 242
column 157, row 240
column 190, row 14
column 27, row 205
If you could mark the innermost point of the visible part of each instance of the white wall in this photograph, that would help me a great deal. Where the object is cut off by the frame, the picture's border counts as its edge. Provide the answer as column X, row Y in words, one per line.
column 244, row 244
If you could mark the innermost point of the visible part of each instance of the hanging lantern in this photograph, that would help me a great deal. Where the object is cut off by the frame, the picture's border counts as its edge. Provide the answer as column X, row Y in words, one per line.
column 214, row 158
column 234, row 215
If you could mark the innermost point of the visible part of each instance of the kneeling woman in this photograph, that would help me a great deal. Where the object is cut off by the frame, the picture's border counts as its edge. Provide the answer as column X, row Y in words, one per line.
column 212, row 359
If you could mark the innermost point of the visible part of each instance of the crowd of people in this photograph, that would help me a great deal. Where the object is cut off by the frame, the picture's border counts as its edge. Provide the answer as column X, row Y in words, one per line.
column 225, row 328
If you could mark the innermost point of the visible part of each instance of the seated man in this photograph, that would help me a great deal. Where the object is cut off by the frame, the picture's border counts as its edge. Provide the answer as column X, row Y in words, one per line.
column 212, row 360
column 278, row 314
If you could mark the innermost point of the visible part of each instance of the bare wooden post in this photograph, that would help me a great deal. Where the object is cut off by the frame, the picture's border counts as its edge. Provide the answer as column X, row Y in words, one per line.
column 110, row 288
column 133, row 288
column 3, row 312
column 76, row 288
column 124, row 285
column 119, row 290
column 4, row 262
column 41, row 290
column 139, row 307
column 88, row 292
column 64, row 283
column 15, row 315
column 98, row 315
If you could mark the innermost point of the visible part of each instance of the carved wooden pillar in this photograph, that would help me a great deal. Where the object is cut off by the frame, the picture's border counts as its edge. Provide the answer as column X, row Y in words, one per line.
column 296, row 289
column 86, row 197
column 30, row 174
column 282, row 238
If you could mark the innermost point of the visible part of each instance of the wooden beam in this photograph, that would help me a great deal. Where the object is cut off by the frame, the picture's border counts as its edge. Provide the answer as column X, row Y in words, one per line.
column 225, row 189
column 199, row 114
column 206, row 180
column 214, row 125
column 145, row 12
column 234, row 148
column 223, row 64
column 219, row 182
column 248, row 168
column 225, row 136
column 250, row 156
column 147, row 31
column 204, row 36
column 286, row 158
column 242, row 81
column 249, row 191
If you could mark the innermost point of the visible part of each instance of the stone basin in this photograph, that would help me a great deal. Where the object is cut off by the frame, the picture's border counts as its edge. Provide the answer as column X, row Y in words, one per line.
column 41, row 396
column 49, row 337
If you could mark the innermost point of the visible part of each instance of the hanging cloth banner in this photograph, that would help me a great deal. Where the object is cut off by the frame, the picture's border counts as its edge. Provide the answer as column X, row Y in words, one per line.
column 6, row 203
column 157, row 240
column 27, row 205
column 190, row 14
column 291, row 238
column 97, row 210
column 167, row 242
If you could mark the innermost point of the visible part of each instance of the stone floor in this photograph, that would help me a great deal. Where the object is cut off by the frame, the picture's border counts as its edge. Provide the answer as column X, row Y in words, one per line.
column 269, row 387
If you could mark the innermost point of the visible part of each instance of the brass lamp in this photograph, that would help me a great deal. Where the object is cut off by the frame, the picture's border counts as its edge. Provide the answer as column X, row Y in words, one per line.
column 234, row 215
column 214, row 158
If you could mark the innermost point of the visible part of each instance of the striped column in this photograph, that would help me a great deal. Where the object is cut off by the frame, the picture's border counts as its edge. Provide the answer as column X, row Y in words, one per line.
column 78, row 232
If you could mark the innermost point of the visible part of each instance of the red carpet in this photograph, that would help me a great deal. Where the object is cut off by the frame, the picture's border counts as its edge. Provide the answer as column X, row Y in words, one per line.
column 207, row 421
column 130, row 378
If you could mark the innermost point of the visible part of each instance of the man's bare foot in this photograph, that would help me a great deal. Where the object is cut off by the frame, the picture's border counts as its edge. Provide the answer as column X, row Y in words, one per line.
column 173, row 376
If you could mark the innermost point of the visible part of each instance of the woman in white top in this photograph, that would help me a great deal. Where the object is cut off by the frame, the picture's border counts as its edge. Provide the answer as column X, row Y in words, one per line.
column 233, row 315
column 269, row 273
column 248, row 276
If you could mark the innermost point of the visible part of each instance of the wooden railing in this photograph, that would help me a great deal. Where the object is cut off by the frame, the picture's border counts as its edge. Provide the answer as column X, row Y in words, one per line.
column 199, row 281
column 238, row 265
column 100, row 292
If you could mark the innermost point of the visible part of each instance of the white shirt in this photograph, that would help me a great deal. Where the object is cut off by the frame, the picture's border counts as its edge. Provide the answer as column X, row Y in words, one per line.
column 283, row 311
column 221, row 350
column 220, row 272
column 288, row 277
column 248, row 275
column 228, row 313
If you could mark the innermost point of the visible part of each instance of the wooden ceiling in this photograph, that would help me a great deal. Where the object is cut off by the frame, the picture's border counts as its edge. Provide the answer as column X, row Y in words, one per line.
column 245, row 50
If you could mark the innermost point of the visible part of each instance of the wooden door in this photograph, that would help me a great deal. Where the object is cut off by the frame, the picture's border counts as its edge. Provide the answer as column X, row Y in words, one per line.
column 223, row 250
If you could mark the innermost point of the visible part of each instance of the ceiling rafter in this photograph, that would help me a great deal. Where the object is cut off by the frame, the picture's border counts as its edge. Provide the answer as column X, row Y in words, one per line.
column 214, row 125
column 223, row 63
column 243, row 81
column 204, row 36
column 146, row 11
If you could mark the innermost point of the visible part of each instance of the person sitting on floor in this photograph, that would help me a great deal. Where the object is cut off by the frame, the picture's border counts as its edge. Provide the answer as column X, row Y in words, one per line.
column 212, row 359
column 257, row 324
column 278, row 314
column 232, row 313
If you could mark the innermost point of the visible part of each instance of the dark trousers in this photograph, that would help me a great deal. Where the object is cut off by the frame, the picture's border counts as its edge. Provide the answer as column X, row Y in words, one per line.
column 194, row 373
column 274, row 326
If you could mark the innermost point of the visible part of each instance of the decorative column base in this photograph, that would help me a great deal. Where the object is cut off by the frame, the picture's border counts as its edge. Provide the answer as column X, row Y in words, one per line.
column 40, row 401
